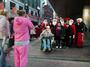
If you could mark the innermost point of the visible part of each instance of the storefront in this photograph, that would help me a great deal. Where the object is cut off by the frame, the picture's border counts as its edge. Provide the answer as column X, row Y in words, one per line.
column 13, row 5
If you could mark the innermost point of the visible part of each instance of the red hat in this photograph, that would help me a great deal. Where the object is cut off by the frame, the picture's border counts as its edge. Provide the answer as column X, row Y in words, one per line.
column 67, row 19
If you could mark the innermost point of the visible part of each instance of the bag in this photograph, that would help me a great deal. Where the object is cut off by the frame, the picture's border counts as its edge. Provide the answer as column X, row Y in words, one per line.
column 10, row 42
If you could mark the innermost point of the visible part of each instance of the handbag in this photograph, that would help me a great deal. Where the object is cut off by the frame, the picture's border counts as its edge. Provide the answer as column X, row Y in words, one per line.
column 10, row 42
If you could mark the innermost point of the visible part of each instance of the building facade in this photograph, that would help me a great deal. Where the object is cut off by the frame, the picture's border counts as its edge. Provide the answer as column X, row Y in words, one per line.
column 13, row 5
column 47, row 10
column 37, row 9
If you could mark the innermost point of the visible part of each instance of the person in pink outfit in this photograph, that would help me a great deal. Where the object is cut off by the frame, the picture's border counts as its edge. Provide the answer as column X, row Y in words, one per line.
column 21, row 26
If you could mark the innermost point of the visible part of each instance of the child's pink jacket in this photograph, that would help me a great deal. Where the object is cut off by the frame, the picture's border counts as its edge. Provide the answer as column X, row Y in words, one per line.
column 21, row 28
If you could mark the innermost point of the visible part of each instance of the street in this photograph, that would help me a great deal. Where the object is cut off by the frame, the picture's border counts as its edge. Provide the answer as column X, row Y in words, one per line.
column 66, row 57
column 65, row 20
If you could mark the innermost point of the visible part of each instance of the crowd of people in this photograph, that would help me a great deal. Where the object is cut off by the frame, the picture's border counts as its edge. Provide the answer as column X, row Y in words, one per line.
column 60, row 33
column 15, row 32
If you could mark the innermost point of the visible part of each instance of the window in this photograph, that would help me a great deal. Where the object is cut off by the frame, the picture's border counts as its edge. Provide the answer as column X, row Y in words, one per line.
column 12, row 5
column 32, row 13
column 20, row 8
column 35, row 14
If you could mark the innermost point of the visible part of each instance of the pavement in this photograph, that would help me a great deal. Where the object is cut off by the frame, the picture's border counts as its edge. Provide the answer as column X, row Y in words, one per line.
column 66, row 57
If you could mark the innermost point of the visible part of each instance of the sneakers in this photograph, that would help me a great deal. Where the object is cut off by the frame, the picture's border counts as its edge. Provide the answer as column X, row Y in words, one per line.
column 44, row 50
column 49, row 49
column 56, row 46
column 60, row 47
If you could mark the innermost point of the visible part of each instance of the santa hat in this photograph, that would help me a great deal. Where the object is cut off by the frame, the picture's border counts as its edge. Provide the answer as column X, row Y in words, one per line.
column 54, row 21
column 67, row 19
column 48, row 27
column 45, row 21
column 71, row 21
column 61, row 19
column 79, row 19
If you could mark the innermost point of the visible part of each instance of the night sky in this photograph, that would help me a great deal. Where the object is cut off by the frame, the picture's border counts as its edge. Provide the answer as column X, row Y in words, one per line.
column 69, row 8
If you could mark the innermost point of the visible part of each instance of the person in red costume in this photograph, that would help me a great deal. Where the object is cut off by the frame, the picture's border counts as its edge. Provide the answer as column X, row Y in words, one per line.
column 74, row 31
column 38, row 31
column 65, row 23
column 44, row 24
column 80, row 26
column 70, row 33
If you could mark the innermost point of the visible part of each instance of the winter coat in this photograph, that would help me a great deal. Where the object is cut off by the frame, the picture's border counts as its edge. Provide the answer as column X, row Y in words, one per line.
column 80, row 27
column 60, row 32
column 46, row 33
column 4, row 27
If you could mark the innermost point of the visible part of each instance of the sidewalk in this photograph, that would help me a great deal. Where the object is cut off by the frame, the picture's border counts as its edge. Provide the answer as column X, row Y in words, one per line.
column 68, row 57
column 57, row 63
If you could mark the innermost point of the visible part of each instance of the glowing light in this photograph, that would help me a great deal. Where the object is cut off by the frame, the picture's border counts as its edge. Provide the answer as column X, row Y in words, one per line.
column 86, row 13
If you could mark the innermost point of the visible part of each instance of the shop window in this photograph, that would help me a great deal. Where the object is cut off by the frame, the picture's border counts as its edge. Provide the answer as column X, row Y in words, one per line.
column 12, row 5
column 32, row 13
column 20, row 8
column 35, row 14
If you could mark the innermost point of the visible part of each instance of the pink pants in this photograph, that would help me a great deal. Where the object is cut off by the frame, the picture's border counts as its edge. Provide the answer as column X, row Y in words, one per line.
column 21, row 56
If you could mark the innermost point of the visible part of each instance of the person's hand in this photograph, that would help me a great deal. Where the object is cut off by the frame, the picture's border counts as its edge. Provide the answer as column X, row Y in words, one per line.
column 83, row 34
column 73, row 36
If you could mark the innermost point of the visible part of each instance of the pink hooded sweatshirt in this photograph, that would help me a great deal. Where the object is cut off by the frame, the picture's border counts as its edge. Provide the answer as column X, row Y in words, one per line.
column 21, row 28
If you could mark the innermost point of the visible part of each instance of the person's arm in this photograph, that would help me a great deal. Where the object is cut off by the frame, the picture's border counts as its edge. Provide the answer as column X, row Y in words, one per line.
column 7, row 27
column 41, row 35
column 30, row 24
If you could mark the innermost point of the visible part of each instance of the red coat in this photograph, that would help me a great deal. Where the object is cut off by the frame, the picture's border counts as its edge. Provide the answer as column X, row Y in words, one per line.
column 43, row 25
column 38, row 31
column 74, row 31
column 80, row 40
column 80, row 34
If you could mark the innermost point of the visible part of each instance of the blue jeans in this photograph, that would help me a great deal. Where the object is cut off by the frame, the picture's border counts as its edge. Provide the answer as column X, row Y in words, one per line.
column 46, row 43
column 2, row 56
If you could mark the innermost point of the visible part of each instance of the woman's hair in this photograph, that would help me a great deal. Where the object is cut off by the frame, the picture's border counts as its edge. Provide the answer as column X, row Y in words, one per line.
column 3, row 12
column 20, row 12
